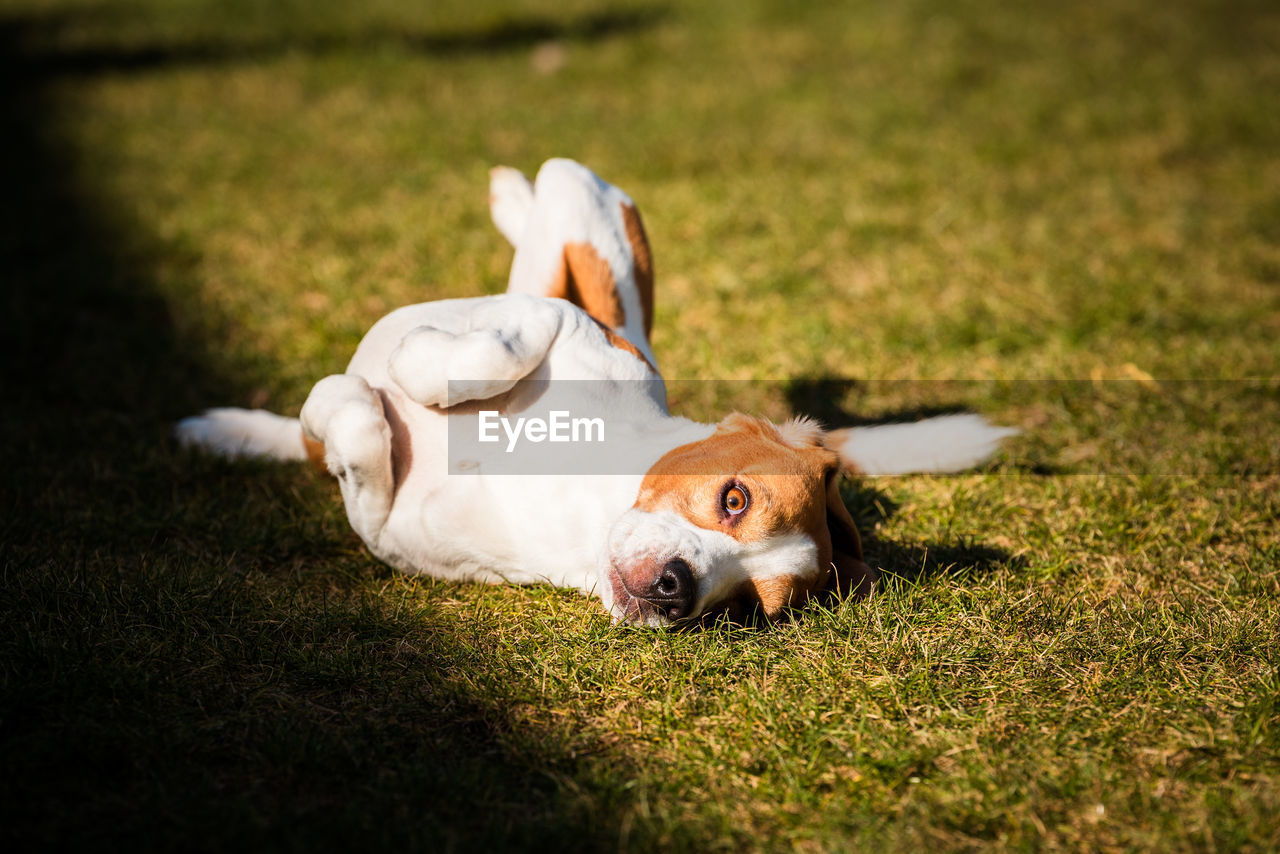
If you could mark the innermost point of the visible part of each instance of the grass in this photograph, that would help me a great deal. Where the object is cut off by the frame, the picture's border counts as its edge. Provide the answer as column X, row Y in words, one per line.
column 1067, row 212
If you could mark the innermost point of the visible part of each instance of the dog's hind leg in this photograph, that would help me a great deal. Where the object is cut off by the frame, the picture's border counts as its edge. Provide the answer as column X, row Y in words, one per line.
column 510, row 200
column 346, row 416
column 584, row 242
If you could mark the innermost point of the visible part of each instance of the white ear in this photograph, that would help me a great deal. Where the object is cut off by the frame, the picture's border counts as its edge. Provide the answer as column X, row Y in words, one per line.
column 510, row 200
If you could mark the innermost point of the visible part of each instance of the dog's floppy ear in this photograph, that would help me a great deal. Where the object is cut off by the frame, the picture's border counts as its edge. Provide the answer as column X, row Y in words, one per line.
column 850, row 576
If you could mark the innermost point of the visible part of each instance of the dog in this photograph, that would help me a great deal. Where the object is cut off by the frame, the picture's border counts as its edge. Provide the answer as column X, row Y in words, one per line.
column 680, row 522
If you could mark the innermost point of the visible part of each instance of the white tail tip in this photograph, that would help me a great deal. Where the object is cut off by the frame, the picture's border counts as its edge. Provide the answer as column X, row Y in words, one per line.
column 948, row 443
column 243, row 433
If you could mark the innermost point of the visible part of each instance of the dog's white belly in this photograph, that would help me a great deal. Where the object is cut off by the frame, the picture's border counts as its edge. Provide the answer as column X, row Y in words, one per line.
column 465, row 526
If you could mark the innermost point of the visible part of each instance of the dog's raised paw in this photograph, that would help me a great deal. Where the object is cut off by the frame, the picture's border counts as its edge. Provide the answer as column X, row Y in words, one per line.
column 510, row 199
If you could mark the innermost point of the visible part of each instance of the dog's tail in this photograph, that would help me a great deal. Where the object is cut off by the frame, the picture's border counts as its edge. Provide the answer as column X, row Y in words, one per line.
column 948, row 443
column 235, row 433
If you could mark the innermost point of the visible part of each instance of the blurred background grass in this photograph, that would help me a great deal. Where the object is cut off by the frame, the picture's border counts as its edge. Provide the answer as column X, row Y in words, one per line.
column 209, row 202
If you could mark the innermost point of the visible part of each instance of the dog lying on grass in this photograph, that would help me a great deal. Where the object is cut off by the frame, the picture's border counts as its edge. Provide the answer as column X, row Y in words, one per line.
column 667, row 520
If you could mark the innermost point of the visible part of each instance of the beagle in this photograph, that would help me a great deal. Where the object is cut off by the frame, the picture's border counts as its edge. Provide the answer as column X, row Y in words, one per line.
column 701, row 519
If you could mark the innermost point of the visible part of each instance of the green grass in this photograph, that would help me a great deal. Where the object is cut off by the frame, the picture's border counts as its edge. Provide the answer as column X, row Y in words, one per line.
column 208, row 202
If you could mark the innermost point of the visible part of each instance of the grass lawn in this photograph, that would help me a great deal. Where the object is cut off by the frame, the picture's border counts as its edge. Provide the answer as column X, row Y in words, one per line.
column 1069, row 211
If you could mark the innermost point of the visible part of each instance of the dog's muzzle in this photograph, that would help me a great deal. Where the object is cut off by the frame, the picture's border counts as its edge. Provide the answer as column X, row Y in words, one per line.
column 653, row 591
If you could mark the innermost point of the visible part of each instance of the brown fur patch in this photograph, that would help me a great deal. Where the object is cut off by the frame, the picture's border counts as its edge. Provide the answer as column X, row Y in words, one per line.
column 616, row 340
column 584, row 279
column 315, row 453
column 778, row 593
column 642, row 263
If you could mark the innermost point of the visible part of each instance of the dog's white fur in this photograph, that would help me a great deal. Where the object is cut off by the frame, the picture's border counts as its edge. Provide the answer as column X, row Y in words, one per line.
column 385, row 422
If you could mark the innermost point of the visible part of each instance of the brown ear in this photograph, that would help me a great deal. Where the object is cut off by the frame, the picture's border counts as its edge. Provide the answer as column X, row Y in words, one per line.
column 850, row 576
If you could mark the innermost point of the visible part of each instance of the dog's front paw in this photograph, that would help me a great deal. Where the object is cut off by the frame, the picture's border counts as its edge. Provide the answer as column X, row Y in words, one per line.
column 420, row 365
column 332, row 395
column 357, row 444
column 439, row 368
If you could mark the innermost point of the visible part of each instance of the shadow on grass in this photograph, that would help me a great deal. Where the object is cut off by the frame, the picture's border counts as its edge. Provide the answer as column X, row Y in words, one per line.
column 915, row 563
column 825, row 398
column 184, row 661
column 918, row 562
column 510, row 34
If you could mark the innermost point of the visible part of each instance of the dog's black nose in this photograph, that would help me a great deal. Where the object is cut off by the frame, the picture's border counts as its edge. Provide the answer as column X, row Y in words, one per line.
column 672, row 590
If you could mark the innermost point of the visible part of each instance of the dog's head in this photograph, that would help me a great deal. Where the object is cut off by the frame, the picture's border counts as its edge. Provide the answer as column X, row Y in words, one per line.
column 748, row 518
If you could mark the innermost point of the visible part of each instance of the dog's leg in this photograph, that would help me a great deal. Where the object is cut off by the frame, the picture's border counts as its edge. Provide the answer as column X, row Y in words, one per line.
column 346, row 416
column 501, row 343
column 582, row 241
column 510, row 200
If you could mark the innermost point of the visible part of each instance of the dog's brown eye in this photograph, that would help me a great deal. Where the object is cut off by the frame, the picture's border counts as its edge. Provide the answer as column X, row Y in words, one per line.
column 735, row 500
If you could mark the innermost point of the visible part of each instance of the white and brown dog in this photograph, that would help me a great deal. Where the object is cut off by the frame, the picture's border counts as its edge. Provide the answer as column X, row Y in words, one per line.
column 702, row 518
